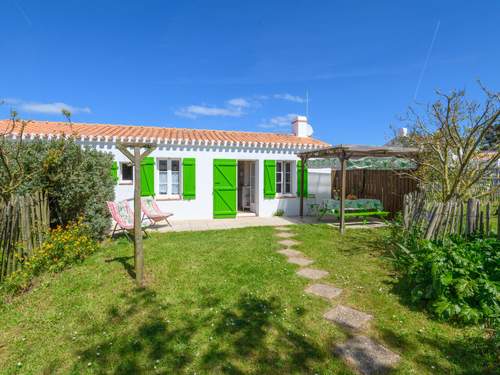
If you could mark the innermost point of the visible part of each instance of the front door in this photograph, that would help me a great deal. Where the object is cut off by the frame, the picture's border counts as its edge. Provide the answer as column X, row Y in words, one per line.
column 225, row 188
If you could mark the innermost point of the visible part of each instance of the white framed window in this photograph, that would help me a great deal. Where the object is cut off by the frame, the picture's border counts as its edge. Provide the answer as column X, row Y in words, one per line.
column 284, row 177
column 126, row 173
column 169, row 177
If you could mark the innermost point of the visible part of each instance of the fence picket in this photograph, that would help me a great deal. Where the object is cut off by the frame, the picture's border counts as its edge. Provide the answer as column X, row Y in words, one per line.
column 438, row 220
column 24, row 221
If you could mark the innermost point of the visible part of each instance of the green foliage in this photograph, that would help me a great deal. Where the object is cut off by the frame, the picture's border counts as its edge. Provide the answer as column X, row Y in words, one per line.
column 279, row 212
column 78, row 181
column 63, row 247
column 456, row 279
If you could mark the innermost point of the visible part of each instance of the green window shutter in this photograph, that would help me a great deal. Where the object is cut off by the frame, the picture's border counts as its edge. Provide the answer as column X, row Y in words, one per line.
column 114, row 171
column 269, row 179
column 148, row 176
column 299, row 177
column 189, row 178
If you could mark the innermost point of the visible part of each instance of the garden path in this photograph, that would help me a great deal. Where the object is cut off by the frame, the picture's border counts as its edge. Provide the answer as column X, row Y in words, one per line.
column 361, row 352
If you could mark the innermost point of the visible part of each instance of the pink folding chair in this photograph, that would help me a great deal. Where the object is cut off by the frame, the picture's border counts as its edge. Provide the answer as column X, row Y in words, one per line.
column 123, row 215
column 151, row 210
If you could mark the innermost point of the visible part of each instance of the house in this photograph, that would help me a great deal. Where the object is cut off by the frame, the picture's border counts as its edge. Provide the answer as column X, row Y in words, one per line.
column 202, row 174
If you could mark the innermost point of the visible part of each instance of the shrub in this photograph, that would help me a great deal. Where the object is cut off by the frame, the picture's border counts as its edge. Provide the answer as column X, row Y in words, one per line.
column 279, row 212
column 63, row 247
column 78, row 181
column 456, row 279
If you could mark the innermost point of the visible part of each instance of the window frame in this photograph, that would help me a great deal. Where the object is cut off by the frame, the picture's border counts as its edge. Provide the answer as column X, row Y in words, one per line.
column 282, row 183
column 120, row 168
column 169, row 194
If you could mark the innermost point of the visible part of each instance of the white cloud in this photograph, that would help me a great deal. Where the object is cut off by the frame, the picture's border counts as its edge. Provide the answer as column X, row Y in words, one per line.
column 278, row 122
column 44, row 108
column 289, row 97
column 195, row 111
column 233, row 108
column 237, row 107
column 239, row 102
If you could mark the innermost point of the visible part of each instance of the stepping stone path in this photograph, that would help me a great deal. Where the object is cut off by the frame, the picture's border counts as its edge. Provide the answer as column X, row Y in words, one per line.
column 312, row 273
column 324, row 290
column 288, row 243
column 348, row 317
column 361, row 352
column 291, row 253
column 366, row 355
column 301, row 261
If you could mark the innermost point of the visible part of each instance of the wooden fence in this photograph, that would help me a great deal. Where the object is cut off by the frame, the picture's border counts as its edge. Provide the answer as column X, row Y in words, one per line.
column 387, row 185
column 437, row 220
column 24, row 220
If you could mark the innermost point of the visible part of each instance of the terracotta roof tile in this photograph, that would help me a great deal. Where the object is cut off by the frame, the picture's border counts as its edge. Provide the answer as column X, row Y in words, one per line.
column 86, row 129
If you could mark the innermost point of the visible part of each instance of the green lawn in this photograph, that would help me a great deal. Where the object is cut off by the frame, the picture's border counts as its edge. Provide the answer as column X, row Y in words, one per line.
column 223, row 302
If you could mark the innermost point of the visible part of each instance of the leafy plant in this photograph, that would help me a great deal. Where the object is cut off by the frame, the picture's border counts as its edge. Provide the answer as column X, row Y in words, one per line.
column 279, row 212
column 456, row 279
column 64, row 246
column 78, row 180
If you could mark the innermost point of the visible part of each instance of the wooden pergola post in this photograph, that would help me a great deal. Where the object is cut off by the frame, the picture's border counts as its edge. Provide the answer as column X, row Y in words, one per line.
column 136, row 159
column 302, row 185
column 343, row 168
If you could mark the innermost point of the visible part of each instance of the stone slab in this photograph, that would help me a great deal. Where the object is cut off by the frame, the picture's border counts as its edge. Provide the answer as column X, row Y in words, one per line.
column 312, row 273
column 348, row 317
column 283, row 229
column 367, row 356
column 291, row 253
column 288, row 243
column 301, row 261
column 323, row 290
column 285, row 235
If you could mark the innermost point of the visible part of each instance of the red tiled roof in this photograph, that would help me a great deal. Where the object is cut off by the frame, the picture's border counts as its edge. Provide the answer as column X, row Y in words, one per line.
column 41, row 128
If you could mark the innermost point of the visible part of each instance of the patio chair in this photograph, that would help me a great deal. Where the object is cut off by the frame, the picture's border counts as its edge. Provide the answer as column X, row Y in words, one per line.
column 151, row 210
column 123, row 215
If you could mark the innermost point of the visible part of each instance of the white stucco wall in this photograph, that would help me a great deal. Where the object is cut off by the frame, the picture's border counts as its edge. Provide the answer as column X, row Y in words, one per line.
column 202, row 206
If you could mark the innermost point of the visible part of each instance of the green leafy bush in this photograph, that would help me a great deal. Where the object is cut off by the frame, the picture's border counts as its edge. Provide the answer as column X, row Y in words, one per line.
column 64, row 246
column 456, row 279
column 77, row 179
column 279, row 212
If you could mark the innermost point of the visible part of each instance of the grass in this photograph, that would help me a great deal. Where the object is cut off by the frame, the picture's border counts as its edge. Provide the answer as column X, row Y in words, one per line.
column 223, row 302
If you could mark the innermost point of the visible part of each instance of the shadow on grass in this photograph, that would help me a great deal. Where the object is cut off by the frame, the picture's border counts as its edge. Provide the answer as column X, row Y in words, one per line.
column 124, row 261
column 471, row 354
column 474, row 354
column 150, row 336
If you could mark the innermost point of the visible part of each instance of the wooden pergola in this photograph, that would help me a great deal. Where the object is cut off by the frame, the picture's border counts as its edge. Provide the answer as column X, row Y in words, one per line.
column 134, row 152
column 344, row 153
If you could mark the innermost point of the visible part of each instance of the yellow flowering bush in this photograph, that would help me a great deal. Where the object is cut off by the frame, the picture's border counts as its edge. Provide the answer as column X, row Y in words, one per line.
column 64, row 246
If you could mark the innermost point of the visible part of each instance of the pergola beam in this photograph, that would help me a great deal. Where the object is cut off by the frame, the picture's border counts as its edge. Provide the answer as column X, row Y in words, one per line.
column 359, row 151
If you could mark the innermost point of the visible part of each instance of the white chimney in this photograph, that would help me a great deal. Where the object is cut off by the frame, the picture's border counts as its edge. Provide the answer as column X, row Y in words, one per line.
column 300, row 127
column 402, row 132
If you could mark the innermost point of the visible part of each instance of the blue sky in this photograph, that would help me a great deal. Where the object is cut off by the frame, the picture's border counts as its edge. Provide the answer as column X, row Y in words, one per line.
column 244, row 65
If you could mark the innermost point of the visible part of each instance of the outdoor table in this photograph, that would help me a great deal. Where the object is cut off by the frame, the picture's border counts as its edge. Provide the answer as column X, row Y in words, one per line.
column 353, row 208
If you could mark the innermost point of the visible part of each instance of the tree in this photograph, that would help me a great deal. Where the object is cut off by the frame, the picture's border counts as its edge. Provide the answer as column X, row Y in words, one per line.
column 452, row 133
column 12, row 173
column 78, row 180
